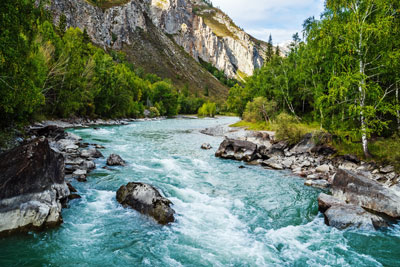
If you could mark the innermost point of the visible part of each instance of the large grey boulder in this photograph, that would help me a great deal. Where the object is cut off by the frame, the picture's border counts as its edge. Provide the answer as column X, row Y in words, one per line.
column 115, row 160
column 305, row 145
column 147, row 200
column 237, row 150
column 369, row 194
column 342, row 215
column 352, row 216
column 32, row 187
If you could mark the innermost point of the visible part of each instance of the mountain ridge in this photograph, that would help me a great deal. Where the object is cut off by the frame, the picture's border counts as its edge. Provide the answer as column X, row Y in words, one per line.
column 158, row 35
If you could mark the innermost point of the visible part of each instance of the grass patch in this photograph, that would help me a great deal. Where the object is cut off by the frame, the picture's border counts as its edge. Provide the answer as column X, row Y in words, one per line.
column 384, row 151
column 274, row 126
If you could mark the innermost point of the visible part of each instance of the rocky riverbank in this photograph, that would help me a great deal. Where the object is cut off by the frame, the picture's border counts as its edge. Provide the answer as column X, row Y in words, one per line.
column 32, row 187
column 317, row 162
column 36, row 176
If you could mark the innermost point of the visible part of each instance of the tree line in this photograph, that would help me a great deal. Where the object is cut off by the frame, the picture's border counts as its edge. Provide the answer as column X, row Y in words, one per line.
column 53, row 71
column 344, row 73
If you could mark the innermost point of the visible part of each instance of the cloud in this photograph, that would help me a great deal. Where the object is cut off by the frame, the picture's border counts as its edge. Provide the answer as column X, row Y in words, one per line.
column 282, row 18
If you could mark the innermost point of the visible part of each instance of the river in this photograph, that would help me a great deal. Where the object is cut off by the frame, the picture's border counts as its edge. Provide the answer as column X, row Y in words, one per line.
column 226, row 216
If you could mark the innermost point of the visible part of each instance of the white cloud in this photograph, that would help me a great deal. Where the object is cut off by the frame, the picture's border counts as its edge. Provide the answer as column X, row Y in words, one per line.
column 282, row 18
column 278, row 35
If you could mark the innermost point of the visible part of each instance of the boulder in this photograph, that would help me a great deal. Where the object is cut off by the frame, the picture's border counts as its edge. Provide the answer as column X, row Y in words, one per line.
column 91, row 153
column 275, row 150
column 358, row 190
column 341, row 215
column 387, row 169
column 115, row 160
column 325, row 150
column 147, row 200
column 80, row 172
column 351, row 158
column 88, row 165
column 305, row 145
column 348, row 165
column 321, row 184
column 49, row 131
column 326, row 201
column 206, row 146
column 237, row 150
column 32, row 187
column 273, row 163
column 322, row 169
column 351, row 216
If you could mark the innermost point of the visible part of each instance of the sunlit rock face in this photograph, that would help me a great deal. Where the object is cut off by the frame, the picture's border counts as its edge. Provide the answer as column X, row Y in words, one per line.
column 203, row 32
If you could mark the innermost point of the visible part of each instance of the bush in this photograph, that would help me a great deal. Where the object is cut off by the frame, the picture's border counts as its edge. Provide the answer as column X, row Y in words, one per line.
column 260, row 109
column 289, row 129
column 208, row 109
column 154, row 112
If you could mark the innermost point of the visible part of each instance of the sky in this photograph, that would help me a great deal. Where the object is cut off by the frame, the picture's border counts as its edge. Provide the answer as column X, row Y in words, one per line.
column 281, row 18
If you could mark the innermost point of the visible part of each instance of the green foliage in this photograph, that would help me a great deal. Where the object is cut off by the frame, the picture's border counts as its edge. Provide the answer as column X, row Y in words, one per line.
column 344, row 74
column 260, row 109
column 220, row 75
column 208, row 110
column 189, row 104
column 289, row 130
column 20, row 86
column 154, row 112
column 54, row 71
column 166, row 98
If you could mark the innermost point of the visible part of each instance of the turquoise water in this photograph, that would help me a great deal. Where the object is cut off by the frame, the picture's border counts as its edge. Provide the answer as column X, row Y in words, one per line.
column 226, row 216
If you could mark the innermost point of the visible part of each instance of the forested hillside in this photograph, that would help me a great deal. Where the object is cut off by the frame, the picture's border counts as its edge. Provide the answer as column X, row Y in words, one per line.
column 53, row 71
column 341, row 75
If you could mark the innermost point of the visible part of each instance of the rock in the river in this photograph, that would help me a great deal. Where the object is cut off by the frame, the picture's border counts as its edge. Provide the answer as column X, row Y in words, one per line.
column 147, row 200
column 32, row 187
column 369, row 194
column 322, row 184
column 237, row 150
column 206, row 146
column 273, row 163
column 326, row 201
column 115, row 160
column 80, row 172
column 91, row 153
column 88, row 165
column 342, row 215
column 351, row 216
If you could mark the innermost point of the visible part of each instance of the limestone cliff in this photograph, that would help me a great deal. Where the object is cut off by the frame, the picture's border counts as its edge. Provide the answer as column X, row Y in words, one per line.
column 153, row 33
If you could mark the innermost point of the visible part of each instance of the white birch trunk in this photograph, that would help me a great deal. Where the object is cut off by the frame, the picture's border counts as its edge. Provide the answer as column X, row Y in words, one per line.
column 361, row 89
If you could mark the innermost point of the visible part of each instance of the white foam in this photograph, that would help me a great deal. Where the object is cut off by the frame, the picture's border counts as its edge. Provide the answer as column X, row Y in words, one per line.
column 209, row 222
column 103, row 203
column 315, row 242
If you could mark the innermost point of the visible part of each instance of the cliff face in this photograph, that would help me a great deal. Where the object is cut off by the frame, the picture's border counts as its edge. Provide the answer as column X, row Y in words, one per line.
column 207, row 33
column 153, row 33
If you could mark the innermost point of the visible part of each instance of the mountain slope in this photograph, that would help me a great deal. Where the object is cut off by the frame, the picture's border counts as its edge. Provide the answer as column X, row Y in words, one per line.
column 164, row 36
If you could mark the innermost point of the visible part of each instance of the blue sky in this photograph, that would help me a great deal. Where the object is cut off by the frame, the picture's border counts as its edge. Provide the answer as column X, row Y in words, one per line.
column 281, row 18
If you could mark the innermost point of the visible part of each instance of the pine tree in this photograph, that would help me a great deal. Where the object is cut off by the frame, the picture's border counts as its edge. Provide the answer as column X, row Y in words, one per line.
column 270, row 49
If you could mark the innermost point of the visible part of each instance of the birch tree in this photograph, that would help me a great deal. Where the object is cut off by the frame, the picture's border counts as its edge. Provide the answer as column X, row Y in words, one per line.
column 363, row 28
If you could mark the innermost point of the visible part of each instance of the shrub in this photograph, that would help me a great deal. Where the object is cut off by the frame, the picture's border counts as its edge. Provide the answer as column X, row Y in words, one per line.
column 260, row 109
column 208, row 109
column 289, row 129
column 154, row 112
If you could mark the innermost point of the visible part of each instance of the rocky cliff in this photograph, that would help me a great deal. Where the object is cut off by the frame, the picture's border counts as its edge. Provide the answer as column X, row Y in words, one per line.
column 164, row 36
column 32, row 187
